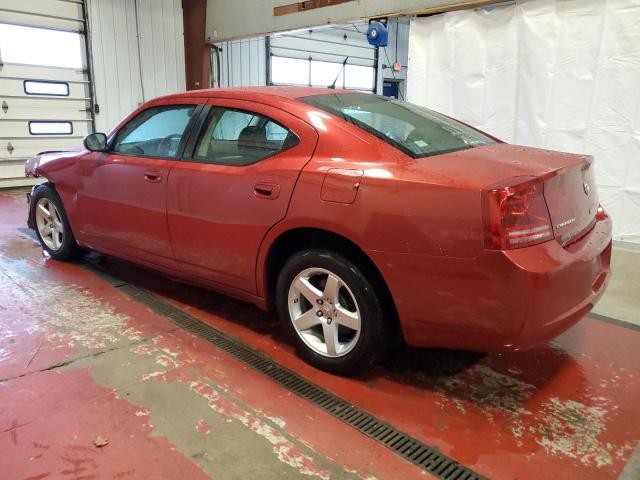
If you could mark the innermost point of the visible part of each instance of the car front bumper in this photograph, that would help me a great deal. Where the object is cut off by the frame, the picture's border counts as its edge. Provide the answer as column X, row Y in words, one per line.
column 30, row 221
column 515, row 299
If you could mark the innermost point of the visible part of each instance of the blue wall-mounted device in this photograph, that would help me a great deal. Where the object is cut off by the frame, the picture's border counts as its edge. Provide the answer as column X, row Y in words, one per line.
column 377, row 34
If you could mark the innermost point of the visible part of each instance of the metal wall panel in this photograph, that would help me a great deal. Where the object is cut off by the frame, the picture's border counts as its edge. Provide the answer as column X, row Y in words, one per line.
column 161, row 47
column 114, row 57
column 242, row 63
column 137, row 54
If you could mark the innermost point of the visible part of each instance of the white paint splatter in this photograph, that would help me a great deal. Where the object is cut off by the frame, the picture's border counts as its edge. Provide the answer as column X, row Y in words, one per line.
column 277, row 420
column 572, row 429
column 78, row 318
column 563, row 427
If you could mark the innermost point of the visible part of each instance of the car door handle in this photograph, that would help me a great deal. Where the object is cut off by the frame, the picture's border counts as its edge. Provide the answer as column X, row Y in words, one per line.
column 266, row 190
column 153, row 177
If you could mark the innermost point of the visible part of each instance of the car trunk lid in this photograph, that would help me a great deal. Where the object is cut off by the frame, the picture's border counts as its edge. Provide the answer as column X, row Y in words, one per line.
column 568, row 185
column 572, row 200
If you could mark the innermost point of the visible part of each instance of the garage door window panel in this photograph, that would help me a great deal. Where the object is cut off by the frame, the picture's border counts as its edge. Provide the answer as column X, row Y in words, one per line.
column 37, row 127
column 324, row 74
column 40, row 46
column 156, row 132
column 358, row 77
column 48, row 88
column 317, row 73
column 239, row 138
column 290, row 71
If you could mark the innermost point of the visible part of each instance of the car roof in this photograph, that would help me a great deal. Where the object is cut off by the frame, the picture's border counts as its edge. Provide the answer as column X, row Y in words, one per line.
column 264, row 94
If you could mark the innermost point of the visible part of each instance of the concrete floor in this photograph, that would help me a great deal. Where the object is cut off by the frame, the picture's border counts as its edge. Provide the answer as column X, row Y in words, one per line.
column 621, row 300
column 82, row 363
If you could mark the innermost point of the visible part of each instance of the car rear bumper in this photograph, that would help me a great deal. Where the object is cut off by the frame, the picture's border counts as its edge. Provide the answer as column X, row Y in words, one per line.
column 561, row 295
column 514, row 299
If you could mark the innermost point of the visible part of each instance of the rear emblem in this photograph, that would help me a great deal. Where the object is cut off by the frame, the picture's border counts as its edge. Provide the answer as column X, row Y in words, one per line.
column 566, row 222
column 586, row 187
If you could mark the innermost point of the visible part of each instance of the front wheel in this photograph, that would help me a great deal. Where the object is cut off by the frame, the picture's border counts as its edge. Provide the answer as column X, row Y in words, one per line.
column 52, row 226
column 329, row 308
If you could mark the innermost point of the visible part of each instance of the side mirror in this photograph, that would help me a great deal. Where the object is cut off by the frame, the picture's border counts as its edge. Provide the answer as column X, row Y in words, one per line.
column 95, row 142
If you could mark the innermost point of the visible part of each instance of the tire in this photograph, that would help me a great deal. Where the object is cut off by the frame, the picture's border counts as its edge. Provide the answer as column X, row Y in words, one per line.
column 52, row 225
column 352, row 319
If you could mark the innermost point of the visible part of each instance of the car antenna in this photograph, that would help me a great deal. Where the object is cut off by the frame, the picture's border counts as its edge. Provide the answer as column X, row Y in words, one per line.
column 333, row 85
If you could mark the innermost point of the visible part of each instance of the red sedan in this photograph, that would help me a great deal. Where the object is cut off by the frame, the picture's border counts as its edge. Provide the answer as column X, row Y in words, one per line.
column 357, row 217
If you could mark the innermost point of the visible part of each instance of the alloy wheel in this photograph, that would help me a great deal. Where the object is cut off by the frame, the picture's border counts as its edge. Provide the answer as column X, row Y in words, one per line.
column 324, row 312
column 49, row 223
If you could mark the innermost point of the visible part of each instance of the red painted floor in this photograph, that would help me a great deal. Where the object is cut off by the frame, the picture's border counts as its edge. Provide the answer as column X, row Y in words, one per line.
column 567, row 410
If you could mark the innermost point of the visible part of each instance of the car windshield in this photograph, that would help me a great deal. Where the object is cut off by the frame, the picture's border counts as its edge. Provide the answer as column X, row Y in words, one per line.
column 416, row 131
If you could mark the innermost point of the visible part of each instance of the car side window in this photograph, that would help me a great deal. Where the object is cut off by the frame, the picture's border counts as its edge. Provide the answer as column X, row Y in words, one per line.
column 155, row 132
column 235, row 137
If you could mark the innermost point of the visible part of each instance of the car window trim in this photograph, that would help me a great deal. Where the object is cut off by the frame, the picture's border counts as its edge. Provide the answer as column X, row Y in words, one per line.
column 183, row 141
column 189, row 154
column 195, row 132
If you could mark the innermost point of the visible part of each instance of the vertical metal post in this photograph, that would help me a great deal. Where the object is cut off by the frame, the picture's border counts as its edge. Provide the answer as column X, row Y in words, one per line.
column 376, row 56
column 93, row 105
column 267, row 71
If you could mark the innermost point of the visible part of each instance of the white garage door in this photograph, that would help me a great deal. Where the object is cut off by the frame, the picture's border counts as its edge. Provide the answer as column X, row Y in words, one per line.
column 309, row 57
column 555, row 74
column 45, row 101
column 313, row 57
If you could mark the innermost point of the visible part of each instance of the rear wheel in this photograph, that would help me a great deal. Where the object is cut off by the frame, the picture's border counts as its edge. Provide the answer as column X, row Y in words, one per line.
column 331, row 311
column 52, row 226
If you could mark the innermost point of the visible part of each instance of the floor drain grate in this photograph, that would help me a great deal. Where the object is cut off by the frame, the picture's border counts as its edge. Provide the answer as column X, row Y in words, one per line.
column 407, row 447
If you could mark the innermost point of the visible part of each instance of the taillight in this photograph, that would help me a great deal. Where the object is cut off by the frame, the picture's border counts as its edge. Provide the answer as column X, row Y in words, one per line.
column 601, row 213
column 516, row 216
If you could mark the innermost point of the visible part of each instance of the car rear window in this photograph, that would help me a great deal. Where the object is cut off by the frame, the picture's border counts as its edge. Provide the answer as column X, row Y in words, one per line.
column 416, row 131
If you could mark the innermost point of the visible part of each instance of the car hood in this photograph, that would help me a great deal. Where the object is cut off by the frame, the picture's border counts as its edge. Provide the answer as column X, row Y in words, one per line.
column 34, row 165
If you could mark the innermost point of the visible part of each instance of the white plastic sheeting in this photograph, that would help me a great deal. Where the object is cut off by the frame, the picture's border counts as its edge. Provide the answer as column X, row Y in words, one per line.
column 557, row 74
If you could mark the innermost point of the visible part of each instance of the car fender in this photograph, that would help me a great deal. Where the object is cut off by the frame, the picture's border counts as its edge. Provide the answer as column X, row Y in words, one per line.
column 61, row 169
column 286, row 225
